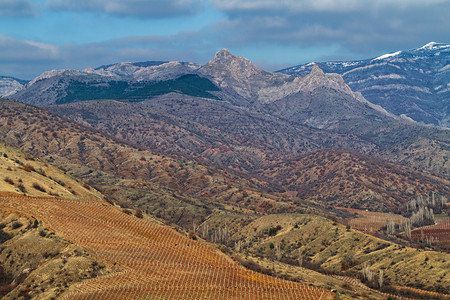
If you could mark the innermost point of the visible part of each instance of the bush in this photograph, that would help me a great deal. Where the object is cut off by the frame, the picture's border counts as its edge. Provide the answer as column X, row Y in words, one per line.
column 22, row 188
column 192, row 235
column 38, row 187
column 16, row 224
column 9, row 180
column 139, row 214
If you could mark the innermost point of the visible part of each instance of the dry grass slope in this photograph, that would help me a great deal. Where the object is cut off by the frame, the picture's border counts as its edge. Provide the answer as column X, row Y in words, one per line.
column 23, row 173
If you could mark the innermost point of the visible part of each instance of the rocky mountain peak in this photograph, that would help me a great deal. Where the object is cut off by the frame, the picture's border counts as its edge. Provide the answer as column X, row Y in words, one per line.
column 235, row 66
column 224, row 58
column 223, row 55
column 316, row 70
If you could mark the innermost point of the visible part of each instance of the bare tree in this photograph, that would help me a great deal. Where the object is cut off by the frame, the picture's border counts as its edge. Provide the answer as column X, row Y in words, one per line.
column 380, row 278
column 366, row 272
column 278, row 253
column 390, row 228
column 238, row 246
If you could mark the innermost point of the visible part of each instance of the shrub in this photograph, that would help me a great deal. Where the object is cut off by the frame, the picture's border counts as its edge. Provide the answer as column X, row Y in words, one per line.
column 139, row 214
column 9, row 180
column 22, row 188
column 16, row 224
column 38, row 187
column 192, row 235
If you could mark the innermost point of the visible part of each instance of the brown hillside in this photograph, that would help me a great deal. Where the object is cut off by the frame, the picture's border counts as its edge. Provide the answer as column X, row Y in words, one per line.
column 221, row 134
column 179, row 191
column 343, row 178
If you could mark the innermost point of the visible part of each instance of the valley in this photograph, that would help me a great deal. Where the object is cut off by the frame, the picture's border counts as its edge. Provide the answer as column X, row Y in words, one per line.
column 173, row 180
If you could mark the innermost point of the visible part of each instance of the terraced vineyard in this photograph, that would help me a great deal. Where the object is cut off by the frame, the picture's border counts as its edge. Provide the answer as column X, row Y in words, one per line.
column 371, row 222
column 435, row 234
column 156, row 262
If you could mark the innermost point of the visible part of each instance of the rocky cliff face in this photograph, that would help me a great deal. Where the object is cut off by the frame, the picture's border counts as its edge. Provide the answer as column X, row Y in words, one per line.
column 318, row 99
column 240, row 79
column 412, row 84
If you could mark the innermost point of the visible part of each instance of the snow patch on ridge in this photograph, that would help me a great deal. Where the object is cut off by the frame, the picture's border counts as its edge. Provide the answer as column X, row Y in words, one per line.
column 387, row 55
column 433, row 46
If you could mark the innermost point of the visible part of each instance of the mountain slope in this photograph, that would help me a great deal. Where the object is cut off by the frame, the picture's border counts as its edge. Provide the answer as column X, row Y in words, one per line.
column 413, row 84
column 36, row 263
column 24, row 174
column 342, row 178
column 213, row 132
column 262, row 117
column 289, row 241
column 231, row 78
column 10, row 85
column 177, row 190
column 117, row 81
column 156, row 261
column 118, row 167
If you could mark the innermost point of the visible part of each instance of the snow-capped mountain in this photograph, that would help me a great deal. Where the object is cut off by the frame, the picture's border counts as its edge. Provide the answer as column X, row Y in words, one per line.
column 53, row 86
column 412, row 84
column 10, row 85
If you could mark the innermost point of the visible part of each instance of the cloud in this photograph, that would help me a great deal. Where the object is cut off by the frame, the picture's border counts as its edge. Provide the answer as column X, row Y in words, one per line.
column 27, row 59
column 284, row 34
column 133, row 8
column 17, row 8
column 299, row 6
column 359, row 27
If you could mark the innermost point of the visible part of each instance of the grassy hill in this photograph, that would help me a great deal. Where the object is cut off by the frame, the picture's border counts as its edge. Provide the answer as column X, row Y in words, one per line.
column 24, row 174
column 321, row 244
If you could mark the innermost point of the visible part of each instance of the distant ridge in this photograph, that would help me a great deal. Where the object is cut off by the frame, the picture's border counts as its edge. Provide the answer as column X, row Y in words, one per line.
column 411, row 84
column 142, row 64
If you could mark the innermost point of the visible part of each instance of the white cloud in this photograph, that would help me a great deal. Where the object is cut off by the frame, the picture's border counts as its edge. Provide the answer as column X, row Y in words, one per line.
column 45, row 47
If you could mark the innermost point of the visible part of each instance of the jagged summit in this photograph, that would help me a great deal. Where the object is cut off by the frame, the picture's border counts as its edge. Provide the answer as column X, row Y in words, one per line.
column 316, row 70
column 235, row 66
column 223, row 55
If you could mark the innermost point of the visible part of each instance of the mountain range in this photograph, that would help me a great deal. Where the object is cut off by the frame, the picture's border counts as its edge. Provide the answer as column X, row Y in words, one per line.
column 412, row 84
column 268, row 167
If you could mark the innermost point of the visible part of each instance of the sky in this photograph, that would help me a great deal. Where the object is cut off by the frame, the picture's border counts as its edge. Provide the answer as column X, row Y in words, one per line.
column 42, row 35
